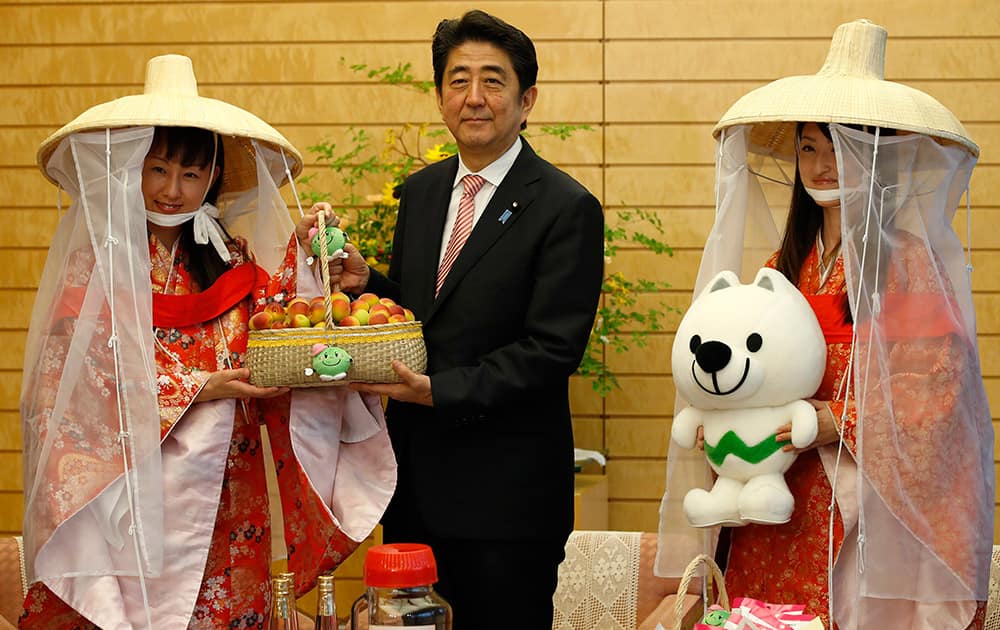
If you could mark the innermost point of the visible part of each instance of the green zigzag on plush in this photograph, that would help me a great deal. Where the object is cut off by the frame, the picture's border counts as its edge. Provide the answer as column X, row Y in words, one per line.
column 731, row 444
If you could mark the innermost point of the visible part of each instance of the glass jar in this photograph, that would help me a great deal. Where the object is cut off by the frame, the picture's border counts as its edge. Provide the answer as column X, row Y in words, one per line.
column 398, row 579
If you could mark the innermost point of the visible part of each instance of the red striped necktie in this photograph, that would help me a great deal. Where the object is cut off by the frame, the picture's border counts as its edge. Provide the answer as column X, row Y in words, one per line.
column 463, row 226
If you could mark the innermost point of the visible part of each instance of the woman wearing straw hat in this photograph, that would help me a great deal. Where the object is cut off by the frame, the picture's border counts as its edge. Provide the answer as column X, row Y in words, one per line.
column 894, row 500
column 146, row 503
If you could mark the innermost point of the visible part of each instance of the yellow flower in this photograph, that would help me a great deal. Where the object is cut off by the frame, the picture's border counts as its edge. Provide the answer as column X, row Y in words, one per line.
column 387, row 197
column 387, row 145
column 435, row 153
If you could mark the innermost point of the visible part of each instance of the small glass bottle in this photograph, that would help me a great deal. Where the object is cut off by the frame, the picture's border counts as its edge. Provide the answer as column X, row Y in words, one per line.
column 290, row 576
column 326, row 606
column 283, row 615
column 399, row 579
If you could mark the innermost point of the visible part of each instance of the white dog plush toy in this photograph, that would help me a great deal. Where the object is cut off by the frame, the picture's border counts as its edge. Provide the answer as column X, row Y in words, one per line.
column 744, row 358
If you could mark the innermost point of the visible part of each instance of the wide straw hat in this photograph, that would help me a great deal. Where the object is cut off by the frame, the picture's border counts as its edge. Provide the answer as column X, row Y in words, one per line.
column 850, row 88
column 170, row 99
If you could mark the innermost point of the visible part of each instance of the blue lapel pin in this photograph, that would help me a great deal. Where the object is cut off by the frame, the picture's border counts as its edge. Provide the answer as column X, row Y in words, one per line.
column 508, row 213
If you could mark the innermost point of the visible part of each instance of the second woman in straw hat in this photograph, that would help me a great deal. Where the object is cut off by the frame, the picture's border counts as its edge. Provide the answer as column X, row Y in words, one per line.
column 894, row 500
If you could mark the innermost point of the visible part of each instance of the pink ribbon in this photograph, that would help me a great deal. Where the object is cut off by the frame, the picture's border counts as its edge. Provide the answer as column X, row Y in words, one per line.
column 753, row 614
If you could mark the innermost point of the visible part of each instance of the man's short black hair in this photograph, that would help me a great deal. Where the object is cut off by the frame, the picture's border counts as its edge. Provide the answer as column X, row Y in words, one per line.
column 478, row 26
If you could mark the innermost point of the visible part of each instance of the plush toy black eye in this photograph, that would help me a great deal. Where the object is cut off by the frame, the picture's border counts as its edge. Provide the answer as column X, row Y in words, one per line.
column 754, row 342
column 695, row 343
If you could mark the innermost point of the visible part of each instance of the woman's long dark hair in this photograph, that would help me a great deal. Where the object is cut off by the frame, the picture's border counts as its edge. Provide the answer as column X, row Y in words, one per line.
column 805, row 217
column 195, row 147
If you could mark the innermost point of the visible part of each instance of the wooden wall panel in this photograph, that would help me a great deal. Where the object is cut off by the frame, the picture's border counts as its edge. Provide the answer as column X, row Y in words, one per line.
column 10, row 472
column 653, row 357
column 27, row 227
column 996, row 435
column 660, row 144
column 588, row 432
column 21, row 144
column 584, row 147
column 636, row 479
column 680, row 272
column 283, row 104
column 638, row 437
column 992, row 385
column 11, row 512
column 585, row 400
column 10, row 390
column 646, row 395
column 989, row 355
column 679, row 60
column 651, row 76
column 12, row 354
column 18, row 303
column 734, row 20
column 144, row 23
column 264, row 64
column 682, row 227
column 987, row 307
column 10, row 432
column 21, row 268
column 985, row 237
column 629, row 515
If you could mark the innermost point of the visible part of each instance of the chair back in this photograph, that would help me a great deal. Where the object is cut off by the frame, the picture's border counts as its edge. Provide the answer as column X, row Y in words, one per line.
column 13, row 582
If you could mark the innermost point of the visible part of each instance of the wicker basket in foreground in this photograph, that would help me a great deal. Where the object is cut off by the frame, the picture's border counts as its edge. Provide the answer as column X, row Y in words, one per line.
column 280, row 357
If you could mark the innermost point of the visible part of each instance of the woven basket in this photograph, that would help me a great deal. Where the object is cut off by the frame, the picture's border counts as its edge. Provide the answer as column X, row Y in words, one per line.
column 714, row 574
column 279, row 358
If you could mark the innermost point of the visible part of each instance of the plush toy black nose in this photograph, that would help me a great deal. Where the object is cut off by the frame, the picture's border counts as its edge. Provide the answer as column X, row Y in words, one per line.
column 712, row 356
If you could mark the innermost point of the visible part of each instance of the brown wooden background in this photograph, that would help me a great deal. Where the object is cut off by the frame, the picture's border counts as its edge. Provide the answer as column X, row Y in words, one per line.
column 651, row 76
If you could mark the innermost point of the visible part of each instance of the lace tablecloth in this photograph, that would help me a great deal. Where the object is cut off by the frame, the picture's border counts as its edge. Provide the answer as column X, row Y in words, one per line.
column 598, row 582
column 993, row 605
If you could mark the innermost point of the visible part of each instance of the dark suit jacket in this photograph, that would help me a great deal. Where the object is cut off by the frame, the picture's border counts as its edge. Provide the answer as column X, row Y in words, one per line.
column 493, row 458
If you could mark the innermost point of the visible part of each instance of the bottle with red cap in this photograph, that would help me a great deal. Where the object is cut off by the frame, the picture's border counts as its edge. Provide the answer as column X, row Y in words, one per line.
column 399, row 580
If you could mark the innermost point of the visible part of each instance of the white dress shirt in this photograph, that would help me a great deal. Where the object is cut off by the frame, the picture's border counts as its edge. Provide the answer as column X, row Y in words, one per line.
column 493, row 174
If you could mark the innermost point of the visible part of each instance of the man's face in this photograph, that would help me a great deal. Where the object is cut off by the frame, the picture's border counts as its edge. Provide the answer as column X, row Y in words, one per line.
column 481, row 103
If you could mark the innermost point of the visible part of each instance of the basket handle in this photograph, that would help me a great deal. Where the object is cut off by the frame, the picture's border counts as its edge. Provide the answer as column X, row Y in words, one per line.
column 324, row 268
column 716, row 574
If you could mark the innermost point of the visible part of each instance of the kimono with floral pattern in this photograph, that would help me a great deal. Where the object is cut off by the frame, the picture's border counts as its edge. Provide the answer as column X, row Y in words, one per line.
column 788, row 563
column 235, row 585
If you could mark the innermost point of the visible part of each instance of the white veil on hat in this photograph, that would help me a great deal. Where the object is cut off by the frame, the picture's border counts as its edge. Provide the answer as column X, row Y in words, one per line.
column 89, row 371
column 917, row 497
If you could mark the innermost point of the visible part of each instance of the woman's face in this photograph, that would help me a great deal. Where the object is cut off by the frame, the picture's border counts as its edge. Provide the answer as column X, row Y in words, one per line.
column 817, row 162
column 169, row 187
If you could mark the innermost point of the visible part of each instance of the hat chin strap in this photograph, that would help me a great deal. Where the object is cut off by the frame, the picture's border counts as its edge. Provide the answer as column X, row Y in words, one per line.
column 823, row 195
column 206, row 227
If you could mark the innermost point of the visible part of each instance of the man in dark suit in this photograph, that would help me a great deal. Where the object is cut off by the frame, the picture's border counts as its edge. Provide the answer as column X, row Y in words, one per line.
column 484, row 440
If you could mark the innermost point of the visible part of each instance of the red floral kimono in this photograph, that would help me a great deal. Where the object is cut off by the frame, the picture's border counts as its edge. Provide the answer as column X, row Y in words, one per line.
column 228, row 566
column 788, row 563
